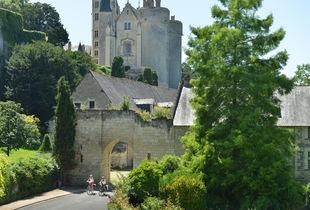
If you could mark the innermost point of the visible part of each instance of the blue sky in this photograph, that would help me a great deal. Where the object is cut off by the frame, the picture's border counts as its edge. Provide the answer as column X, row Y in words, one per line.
column 292, row 15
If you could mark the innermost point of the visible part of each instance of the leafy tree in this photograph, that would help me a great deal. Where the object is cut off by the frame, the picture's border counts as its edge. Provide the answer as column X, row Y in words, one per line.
column 235, row 142
column 149, row 77
column 65, row 126
column 118, row 69
column 41, row 17
column 32, row 74
column 16, row 129
column 83, row 61
column 302, row 75
column 46, row 145
column 187, row 72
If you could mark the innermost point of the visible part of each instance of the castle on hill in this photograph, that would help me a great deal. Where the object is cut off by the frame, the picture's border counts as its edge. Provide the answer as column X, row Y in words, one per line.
column 144, row 37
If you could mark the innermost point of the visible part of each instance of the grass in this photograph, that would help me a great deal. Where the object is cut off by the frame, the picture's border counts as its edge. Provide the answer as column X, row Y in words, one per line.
column 21, row 153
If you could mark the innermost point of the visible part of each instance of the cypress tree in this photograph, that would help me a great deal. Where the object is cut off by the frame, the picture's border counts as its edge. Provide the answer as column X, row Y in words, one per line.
column 46, row 144
column 65, row 126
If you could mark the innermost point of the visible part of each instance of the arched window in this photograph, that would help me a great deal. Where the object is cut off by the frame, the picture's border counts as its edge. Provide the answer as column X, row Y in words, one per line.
column 127, row 48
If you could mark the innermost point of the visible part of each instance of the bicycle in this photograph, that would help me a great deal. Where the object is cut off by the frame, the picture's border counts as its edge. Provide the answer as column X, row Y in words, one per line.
column 103, row 188
column 90, row 189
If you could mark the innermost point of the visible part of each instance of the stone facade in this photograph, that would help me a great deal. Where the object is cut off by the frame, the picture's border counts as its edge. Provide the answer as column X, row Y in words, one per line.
column 144, row 37
column 98, row 131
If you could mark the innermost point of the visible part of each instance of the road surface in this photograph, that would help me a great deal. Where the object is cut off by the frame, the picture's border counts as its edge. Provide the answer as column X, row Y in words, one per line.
column 80, row 201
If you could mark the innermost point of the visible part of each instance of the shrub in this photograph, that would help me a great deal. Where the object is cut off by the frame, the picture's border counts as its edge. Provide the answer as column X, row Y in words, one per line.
column 307, row 195
column 3, row 175
column 143, row 181
column 161, row 112
column 169, row 163
column 186, row 190
column 46, row 144
column 34, row 175
column 146, row 116
column 152, row 203
column 125, row 105
column 120, row 201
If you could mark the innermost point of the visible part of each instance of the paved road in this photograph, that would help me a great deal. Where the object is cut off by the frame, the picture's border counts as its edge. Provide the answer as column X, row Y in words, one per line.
column 80, row 201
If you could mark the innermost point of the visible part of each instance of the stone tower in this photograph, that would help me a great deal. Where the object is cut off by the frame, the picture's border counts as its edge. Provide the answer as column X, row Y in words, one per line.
column 104, row 15
column 143, row 37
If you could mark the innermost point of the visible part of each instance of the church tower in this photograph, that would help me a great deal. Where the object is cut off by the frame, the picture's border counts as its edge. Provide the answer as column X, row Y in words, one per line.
column 104, row 15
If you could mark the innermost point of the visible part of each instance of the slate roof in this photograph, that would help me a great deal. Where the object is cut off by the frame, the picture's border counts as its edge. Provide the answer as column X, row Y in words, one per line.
column 117, row 88
column 105, row 6
column 295, row 107
column 184, row 115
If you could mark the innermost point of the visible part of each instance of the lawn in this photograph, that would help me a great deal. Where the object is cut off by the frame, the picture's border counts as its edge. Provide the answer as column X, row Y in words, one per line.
column 20, row 153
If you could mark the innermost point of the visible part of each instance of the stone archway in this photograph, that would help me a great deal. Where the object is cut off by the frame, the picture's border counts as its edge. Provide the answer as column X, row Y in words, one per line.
column 106, row 158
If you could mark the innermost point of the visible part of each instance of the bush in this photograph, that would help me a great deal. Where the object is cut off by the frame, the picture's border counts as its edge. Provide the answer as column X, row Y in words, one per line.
column 186, row 190
column 46, row 144
column 120, row 201
column 146, row 116
column 34, row 175
column 161, row 112
column 152, row 203
column 143, row 181
column 169, row 163
column 125, row 105
column 3, row 175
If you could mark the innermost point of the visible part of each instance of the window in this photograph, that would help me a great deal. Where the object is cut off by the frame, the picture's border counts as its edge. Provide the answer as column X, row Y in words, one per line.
column 77, row 105
column 96, row 16
column 149, row 156
column 96, row 44
column 127, row 12
column 96, row 52
column 308, row 160
column 127, row 26
column 127, row 48
column 97, row 4
column 96, row 34
column 91, row 104
column 308, row 132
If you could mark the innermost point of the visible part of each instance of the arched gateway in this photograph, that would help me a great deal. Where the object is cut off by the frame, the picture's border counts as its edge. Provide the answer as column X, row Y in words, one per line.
column 97, row 132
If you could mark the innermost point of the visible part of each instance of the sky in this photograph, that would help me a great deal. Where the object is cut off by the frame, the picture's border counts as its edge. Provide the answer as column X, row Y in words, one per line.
column 292, row 15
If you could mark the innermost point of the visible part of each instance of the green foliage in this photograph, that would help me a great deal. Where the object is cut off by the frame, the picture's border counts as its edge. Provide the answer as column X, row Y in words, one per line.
column 187, row 72
column 13, row 31
column 157, row 113
column 32, row 74
column 3, row 175
column 235, row 142
column 125, row 105
column 149, row 77
column 48, row 16
column 143, row 181
column 103, row 69
column 185, row 189
column 153, row 203
column 161, row 112
column 302, row 75
column 65, row 126
column 15, row 155
column 46, row 145
column 169, row 164
column 83, row 62
column 34, row 175
column 145, row 115
column 118, row 69
column 16, row 129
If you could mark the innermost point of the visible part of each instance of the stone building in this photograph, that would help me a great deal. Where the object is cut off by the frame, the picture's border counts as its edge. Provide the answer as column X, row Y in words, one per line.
column 144, row 37
column 99, row 128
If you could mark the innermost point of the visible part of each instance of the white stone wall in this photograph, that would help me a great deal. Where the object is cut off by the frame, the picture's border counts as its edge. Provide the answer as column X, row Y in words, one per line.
column 98, row 131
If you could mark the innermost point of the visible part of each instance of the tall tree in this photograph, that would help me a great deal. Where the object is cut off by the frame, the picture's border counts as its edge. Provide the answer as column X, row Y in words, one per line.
column 302, row 75
column 65, row 126
column 149, row 77
column 32, row 74
column 16, row 129
column 118, row 69
column 235, row 143
column 41, row 17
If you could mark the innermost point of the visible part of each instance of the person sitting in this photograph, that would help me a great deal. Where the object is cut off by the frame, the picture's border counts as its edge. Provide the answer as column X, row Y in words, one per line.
column 103, row 184
column 91, row 182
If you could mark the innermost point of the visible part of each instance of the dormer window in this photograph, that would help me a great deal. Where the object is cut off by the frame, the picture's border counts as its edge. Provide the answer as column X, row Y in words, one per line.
column 91, row 104
column 127, row 26
column 127, row 48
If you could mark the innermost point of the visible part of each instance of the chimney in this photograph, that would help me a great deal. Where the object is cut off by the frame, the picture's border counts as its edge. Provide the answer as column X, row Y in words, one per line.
column 173, row 17
column 158, row 2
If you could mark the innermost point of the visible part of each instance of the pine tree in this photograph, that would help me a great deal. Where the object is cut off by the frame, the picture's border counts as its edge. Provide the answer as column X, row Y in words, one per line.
column 65, row 126
column 235, row 142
